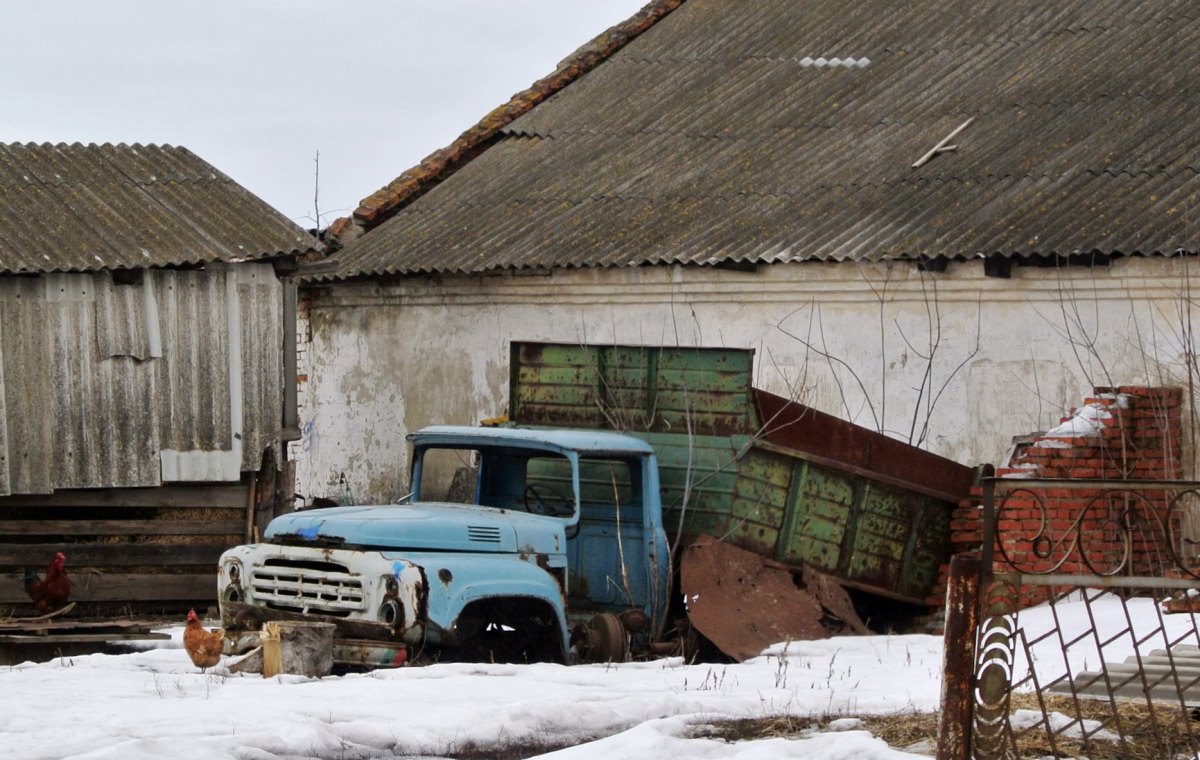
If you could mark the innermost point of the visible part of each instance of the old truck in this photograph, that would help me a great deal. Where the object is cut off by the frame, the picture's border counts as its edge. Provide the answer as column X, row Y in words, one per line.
column 561, row 540
column 505, row 577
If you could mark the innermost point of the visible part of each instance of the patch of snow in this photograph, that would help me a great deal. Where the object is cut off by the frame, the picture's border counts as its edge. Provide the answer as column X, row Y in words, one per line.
column 1027, row 470
column 1062, row 724
column 845, row 724
column 1050, row 443
column 1112, row 642
column 1121, row 399
column 1086, row 421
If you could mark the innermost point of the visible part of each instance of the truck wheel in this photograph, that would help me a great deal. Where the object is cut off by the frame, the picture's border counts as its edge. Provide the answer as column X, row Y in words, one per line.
column 607, row 639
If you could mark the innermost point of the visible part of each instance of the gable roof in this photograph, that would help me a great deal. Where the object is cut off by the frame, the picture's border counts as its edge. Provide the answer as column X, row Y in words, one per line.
column 786, row 130
column 85, row 207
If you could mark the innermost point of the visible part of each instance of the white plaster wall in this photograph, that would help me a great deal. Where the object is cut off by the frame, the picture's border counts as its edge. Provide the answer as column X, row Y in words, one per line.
column 1012, row 355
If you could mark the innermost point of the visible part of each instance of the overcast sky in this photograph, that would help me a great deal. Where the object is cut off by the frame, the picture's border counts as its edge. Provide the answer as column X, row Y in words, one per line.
column 257, row 87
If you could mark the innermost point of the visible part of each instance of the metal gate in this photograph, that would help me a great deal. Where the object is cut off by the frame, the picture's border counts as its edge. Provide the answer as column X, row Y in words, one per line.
column 1107, row 663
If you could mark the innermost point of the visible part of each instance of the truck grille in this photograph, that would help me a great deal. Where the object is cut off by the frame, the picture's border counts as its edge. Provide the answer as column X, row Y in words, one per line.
column 299, row 586
column 484, row 533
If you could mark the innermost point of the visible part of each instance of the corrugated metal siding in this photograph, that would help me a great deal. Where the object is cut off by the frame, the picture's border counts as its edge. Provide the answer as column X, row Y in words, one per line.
column 85, row 207
column 261, row 297
column 102, row 407
column 4, row 475
column 28, row 364
column 126, row 319
column 77, row 410
column 713, row 137
column 194, row 381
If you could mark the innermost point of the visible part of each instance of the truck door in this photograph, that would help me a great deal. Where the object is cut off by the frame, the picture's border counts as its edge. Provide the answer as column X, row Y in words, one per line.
column 607, row 556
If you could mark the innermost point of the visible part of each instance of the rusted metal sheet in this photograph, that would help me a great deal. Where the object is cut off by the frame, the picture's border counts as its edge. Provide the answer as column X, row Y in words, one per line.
column 704, row 391
column 833, row 597
column 869, row 535
column 846, row 446
column 743, row 604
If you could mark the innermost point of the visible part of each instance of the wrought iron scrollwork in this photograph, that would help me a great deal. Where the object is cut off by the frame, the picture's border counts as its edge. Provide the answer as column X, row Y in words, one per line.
column 1117, row 531
column 994, row 674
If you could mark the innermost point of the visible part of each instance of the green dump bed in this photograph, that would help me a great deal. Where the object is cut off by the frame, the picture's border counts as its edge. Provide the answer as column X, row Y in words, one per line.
column 773, row 476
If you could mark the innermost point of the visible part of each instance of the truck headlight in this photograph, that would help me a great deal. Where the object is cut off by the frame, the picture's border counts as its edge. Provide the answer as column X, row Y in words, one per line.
column 391, row 613
column 233, row 590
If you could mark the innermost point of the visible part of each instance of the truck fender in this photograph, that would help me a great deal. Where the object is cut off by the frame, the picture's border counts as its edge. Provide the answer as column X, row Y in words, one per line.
column 487, row 579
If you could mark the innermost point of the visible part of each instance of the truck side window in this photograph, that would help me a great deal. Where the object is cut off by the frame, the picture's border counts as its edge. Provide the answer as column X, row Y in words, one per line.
column 608, row 484
column 548, row 488
column 449, row 475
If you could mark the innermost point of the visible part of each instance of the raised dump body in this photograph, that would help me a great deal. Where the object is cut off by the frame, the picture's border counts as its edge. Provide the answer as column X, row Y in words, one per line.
column 776, row 477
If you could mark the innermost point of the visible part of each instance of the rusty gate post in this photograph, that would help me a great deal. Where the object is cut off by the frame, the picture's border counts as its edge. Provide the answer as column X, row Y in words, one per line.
column 958, row 660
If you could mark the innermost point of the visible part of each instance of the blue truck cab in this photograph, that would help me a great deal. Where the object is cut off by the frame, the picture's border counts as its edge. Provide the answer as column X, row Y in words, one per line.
column 556, row 552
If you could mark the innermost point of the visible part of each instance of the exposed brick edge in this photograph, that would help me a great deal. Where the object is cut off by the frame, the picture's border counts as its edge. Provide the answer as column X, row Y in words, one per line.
column 412, row 184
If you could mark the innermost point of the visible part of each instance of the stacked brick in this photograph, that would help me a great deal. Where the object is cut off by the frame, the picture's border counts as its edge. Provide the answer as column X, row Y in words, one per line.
column 1125, row 433
column 966, row 536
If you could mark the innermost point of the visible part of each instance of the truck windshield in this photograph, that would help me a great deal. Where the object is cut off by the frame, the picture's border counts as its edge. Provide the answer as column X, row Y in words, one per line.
column 538, row 482
column 501, row 477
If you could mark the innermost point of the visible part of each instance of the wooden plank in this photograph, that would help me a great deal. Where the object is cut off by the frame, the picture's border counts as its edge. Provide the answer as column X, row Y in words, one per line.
column 115, row 587
column 79, row 638
column 16, row 625
column 120, row 527
column 173, row 497
column 82, row 555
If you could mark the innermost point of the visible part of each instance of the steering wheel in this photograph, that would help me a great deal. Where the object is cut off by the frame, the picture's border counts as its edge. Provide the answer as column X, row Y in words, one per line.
column 542, row 499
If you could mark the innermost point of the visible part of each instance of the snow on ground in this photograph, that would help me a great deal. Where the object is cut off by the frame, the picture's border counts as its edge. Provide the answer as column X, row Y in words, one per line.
column 155, row 704
column 1111, row 641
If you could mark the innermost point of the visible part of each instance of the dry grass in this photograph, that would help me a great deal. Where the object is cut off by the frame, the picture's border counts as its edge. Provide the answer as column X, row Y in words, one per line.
column 1165, row 732
column 213, row 514
column 503, row 749
column 898, row 730
column 1148, row 734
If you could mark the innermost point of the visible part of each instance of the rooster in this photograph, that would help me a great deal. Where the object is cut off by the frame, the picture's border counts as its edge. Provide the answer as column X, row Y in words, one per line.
column 53, row 592
column 204, row 647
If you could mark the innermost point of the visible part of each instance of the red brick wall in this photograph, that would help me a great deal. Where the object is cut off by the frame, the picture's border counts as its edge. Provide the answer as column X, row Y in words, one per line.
column 1119, row 433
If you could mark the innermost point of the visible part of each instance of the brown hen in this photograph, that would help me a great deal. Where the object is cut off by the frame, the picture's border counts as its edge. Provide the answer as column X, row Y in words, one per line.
column 204, row 647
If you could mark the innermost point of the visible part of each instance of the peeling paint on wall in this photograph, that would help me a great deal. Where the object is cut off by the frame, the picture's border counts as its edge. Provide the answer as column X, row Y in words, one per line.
column 388, row 360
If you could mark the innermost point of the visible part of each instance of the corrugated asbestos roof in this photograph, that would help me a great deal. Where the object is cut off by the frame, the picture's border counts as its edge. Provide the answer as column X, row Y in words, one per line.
column 82, row 207
column 786, row 130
